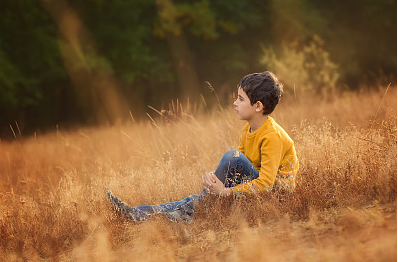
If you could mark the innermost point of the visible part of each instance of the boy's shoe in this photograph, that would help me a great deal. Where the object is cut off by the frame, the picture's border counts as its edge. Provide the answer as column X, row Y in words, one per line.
column 132, row 213
column 182, row 214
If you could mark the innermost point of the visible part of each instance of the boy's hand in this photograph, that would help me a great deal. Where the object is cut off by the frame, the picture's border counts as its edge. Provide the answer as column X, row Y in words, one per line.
column 208, row 180
column 213, row 185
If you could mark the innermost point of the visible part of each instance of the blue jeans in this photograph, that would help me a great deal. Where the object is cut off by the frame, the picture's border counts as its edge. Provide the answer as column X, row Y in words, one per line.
column 234, row 168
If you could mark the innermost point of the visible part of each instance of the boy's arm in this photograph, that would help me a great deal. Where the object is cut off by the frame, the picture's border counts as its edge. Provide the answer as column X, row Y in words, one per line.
column 271, row 154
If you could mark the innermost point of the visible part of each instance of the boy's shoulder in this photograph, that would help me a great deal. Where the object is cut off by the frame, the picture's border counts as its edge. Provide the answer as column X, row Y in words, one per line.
column 281, row 131
column 271, row 128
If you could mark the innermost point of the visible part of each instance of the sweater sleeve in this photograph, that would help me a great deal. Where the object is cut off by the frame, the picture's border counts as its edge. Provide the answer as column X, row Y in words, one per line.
column 271, row 154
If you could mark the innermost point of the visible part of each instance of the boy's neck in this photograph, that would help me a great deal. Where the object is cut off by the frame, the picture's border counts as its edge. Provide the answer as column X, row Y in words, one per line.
column 256, row 122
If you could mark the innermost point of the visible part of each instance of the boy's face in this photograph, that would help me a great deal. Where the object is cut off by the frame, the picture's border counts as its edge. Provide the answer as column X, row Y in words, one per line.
column 243, row 108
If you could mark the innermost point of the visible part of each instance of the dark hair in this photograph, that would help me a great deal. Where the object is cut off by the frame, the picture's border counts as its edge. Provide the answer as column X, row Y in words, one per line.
column 263, row 87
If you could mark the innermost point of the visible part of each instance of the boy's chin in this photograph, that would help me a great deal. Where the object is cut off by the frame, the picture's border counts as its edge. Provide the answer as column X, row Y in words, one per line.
column 241, row 117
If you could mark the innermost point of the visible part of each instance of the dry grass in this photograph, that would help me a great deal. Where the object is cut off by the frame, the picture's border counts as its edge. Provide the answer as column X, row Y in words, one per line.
column 53, row 205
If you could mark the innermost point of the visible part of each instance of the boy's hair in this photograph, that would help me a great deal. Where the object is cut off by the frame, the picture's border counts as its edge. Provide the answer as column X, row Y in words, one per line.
column 263, row 87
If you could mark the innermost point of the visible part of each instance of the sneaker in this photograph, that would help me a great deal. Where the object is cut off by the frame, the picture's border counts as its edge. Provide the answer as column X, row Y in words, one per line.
column 132, row 213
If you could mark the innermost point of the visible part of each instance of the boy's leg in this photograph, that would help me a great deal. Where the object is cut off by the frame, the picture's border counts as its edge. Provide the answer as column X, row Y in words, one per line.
column 234, row 168
column 178, row 211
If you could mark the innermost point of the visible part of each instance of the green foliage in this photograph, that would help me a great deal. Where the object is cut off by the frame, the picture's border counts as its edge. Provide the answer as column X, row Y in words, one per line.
column 197, row 17
column 124, row 35
column 9, row 76
column 303, row 69
column 294, row 20
column 29, row 59
column 226, row 40
column 363, row 42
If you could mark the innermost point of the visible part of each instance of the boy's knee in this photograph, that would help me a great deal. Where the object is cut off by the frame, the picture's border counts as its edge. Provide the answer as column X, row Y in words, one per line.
column 231, row 155
column 236, row 153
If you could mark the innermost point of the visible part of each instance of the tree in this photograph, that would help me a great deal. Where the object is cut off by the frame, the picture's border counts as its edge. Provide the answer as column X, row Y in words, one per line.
column 92, row 78
column 32, row 78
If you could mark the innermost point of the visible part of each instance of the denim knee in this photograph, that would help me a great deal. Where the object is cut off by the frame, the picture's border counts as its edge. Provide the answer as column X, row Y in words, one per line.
column 230, row 157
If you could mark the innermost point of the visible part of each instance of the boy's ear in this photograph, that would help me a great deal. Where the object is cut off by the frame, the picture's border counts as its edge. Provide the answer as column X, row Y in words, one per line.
column 259, row 106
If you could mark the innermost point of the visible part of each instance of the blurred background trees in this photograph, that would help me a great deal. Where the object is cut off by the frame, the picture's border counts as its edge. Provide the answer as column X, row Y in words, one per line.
column 73, row 62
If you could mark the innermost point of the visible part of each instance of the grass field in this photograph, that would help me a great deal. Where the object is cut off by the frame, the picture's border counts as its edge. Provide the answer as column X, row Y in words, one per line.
column 54, row 207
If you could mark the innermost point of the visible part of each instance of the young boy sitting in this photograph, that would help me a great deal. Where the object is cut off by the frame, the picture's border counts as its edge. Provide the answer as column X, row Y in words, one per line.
column 266, row 158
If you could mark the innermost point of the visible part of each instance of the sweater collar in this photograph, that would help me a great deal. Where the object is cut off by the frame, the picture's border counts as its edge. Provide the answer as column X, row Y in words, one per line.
column 263, row 127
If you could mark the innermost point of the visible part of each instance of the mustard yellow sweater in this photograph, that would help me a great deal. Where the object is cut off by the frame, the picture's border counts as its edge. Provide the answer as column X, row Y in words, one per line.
column 272, row 152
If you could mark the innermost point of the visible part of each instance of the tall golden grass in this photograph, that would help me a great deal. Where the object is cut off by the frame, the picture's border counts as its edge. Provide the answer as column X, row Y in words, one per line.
column 54, row 207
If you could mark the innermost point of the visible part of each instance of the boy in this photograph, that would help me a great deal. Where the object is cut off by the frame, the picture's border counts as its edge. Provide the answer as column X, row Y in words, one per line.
column 266, row 153
column 265, row 159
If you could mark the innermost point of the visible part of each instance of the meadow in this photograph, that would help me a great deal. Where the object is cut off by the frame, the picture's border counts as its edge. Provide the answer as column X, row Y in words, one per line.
column 54, row 208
